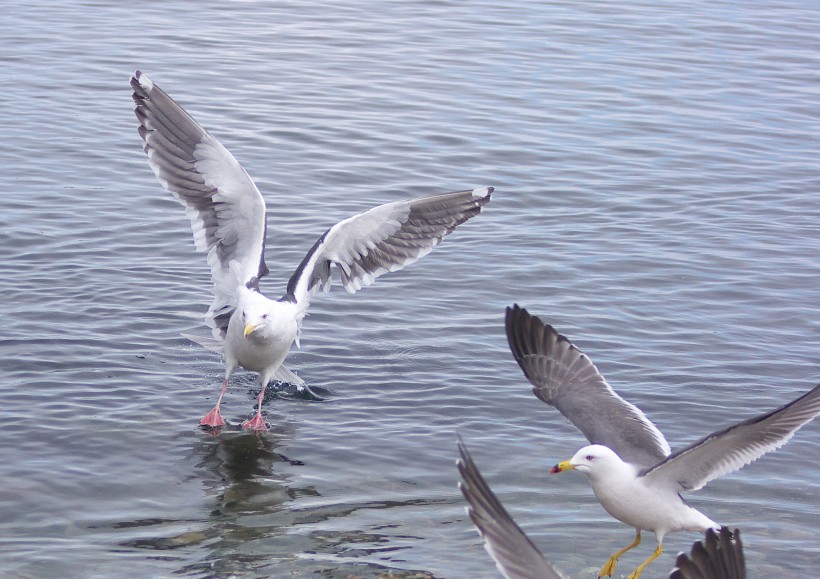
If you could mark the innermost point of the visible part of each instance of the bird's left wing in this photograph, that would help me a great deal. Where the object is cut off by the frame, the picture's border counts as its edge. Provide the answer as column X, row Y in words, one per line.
column 730, row 449
column 514, row 553
column 383, row 239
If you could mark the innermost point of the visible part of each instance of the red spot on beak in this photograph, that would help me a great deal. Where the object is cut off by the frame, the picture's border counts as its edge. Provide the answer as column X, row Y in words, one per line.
column 555, row 469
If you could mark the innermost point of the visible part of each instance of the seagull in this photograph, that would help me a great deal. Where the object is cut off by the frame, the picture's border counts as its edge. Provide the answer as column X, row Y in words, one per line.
column 634, row 474
column 228, row 220
column 719, row 556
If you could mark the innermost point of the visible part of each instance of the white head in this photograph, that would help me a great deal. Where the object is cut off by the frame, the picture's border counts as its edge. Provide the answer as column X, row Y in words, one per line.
column 259, row 316
column 594, row 460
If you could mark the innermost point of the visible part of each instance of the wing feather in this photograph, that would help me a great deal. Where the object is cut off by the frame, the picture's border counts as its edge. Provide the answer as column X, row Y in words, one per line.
column 564, row 377
column 226, row 210
column 718, row 556
column 383, row 239
column 734, row 447
column 515, row 555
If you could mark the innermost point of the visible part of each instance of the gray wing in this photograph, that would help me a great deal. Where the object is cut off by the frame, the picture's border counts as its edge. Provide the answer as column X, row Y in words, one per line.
column 716, row 557
column 565, row 378
column 226, row 210
column 513, row 552
column 728, row 450
column 383, row 239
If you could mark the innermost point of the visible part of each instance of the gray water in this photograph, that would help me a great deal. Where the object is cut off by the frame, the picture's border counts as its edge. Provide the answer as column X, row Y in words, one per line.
column 657, row 176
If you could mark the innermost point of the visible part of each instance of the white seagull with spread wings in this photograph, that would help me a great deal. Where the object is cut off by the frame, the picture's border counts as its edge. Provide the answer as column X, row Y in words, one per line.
column 632, row 470
column 228, row 219
column 718, row 556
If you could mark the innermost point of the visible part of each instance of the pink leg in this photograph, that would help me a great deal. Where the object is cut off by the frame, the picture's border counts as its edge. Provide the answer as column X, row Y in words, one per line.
column 214, row 418
column 257, row 422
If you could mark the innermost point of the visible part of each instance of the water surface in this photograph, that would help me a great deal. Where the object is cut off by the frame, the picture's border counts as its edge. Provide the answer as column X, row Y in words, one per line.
column 656, row 180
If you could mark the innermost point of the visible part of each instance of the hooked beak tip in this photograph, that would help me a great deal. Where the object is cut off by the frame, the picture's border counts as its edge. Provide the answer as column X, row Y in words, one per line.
column 249, row 328
column 562, row 466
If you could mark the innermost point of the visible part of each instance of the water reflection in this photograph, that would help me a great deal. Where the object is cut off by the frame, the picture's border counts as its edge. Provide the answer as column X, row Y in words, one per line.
column 257, row 528
column 257, row 518
column 241, row 477
column 244, row 489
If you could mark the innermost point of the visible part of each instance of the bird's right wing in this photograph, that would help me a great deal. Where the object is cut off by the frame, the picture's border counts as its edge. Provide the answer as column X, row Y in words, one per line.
column 514, row 553
column 732, row 448
column 564, row 377
column 226, row 210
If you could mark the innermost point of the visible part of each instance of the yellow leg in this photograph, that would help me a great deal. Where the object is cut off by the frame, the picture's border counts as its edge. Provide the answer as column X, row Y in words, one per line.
column 637, row 572
column 609, row 567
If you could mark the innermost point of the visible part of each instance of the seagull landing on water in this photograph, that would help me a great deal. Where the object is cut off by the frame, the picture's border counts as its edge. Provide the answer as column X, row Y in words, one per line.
column 228, row 219
column 632, row 470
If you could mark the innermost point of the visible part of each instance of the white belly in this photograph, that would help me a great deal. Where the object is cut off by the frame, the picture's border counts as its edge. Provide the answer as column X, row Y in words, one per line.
column 259, row 355
column 650, row 509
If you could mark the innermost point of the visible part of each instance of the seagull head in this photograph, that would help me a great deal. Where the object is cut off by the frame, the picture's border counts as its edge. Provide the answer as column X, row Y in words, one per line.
column 259, row 318
column 591, row 460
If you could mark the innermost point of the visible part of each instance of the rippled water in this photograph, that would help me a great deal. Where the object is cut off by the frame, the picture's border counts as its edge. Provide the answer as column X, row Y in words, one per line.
column 656, row 173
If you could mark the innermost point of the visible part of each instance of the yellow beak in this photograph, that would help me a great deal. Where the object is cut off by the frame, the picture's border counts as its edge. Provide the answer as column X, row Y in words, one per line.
column 249, row 327
column 561, row 466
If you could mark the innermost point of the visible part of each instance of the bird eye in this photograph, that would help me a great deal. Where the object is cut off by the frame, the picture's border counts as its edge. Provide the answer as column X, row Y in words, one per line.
column 589, row 457
column 264, row 316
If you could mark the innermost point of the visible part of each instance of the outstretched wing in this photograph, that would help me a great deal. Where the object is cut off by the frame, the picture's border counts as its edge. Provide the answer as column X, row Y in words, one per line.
column 718, row 556
column 514, row 553
column 385, row 238
column 226, row 210
column 564, row 377
column 728, row 450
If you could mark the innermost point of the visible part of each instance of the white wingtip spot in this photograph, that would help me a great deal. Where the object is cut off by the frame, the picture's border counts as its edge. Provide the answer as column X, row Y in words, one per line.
column 482, row 192
column 145, row 82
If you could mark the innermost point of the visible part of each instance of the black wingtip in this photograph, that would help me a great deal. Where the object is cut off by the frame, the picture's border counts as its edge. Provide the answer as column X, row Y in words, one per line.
column 462, row 450
column 135, row 79
column 718, row 556
column 524, row 331
column 520, row 324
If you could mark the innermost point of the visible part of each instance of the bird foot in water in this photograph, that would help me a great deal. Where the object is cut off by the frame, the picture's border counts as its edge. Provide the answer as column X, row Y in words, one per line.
column 213, row 419
column 256, row 423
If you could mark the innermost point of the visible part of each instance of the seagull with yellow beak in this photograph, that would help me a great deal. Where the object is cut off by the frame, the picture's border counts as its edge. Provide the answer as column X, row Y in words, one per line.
column 229, row 222
column 718, row 556
column 634, row 474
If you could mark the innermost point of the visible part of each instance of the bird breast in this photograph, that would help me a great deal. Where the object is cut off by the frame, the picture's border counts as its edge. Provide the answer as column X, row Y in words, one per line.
column 264, row 349
column 651, row 509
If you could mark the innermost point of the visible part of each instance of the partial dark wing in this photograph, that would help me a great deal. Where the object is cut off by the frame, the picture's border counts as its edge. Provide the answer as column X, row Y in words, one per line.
column 226, row 210
column 564, row 377
column 383, row 239
column 513, row 552
column 729, row 449
column 718, row 556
